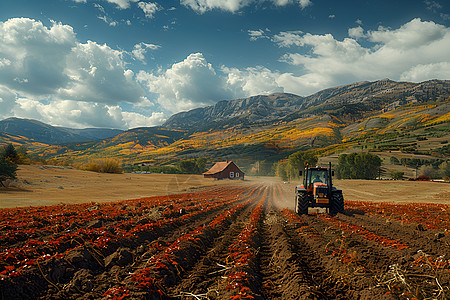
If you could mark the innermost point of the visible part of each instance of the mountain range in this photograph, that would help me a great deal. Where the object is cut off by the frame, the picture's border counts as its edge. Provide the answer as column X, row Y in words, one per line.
column 52, row 135
column 260, row 127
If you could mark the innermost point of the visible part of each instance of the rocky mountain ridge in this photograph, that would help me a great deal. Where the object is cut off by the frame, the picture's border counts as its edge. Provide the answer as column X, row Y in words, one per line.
column 366, row 96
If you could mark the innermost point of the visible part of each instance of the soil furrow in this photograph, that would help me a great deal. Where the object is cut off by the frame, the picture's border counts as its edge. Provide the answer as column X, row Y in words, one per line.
column 208, row 275
column 231, row 242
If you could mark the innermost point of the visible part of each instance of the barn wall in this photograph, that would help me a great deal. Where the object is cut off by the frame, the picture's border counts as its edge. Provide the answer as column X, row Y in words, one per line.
column 226, row 173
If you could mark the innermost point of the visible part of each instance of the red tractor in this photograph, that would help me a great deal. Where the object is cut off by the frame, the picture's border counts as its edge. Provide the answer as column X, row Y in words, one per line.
column 317, row 190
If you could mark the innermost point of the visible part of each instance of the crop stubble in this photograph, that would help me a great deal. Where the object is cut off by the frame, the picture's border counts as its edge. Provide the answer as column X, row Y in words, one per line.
column 230, row 242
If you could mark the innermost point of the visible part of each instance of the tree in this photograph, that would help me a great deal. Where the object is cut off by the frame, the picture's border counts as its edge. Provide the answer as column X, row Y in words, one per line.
column 192, row 166
column 10, row 153
column 265, row 168
column 7, row 170
column 187, row 166
column 397, row 175
column 358, row 166
column 394, row 160
column 429, row 171
column 22, row 155
column 201, row 165
column 280, row 171
column 444, row 170
column 300, row 159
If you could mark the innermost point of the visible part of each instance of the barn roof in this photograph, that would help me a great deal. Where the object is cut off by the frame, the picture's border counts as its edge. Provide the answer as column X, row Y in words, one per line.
column 218, row 167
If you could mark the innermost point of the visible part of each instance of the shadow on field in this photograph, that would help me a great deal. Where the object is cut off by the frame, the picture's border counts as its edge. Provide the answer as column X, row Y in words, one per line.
column 351, row 212
column 12, row 189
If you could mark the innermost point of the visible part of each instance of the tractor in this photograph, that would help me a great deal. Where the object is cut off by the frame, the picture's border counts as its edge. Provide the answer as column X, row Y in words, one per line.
column 317, row 190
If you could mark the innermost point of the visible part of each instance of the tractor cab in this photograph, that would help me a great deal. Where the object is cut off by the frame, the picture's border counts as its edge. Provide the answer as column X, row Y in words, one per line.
column 315, row 177
column 317, row 191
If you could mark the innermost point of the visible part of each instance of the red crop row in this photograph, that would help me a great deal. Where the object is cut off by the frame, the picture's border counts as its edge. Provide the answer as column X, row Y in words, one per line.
column 428, row 214
column 344, row 255
column 173, row 258
column 305, row 230
column 348, row 227
column 242, row 254
column 25, row 255
column 25, row 223
column 353, row 228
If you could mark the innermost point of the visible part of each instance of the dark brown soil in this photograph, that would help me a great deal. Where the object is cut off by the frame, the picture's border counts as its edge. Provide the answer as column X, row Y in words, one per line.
column 356, row 255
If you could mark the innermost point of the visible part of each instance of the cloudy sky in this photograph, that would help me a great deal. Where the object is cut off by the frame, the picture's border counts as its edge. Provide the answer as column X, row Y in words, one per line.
column 130, row 63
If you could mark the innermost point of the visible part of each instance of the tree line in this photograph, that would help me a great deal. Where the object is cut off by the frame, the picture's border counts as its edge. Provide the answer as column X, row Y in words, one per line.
column 350, row 166
column 186, row 166
column 362, row 165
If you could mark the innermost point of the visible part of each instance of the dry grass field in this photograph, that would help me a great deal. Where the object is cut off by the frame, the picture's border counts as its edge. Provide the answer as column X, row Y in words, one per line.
column 44, row 185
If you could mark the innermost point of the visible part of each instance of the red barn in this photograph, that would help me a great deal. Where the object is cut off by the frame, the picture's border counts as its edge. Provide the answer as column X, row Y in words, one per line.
column 225, row 169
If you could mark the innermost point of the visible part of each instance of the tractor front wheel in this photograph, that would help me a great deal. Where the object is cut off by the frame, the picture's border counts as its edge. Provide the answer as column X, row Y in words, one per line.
column 301, row 206
column 337, row 203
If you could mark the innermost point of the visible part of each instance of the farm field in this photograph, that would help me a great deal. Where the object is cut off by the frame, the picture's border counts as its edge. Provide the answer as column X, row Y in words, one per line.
column 46, row 185
column 225, row 242
column 49, row 185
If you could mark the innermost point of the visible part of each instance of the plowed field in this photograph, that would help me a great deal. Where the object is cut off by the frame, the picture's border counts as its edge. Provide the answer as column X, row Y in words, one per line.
column 228, row 242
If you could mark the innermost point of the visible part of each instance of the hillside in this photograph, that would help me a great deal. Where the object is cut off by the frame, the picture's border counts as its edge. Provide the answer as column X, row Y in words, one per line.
column 44, row 133
column 239, row 112
column 350, row 102
column 18, row 141
column 381, row 115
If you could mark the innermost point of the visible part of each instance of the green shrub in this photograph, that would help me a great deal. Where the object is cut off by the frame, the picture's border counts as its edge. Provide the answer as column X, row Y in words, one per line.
column 397, row 175
column 429, row 171
column 394, row 160
column 444, row 170
column 7, row 170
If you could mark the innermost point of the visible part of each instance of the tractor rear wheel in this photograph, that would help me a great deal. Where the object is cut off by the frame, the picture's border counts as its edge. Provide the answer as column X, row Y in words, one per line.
column 301, row 206
column 337, row 203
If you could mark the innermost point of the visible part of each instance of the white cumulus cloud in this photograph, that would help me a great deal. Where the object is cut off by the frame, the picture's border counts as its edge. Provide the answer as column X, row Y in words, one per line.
column 202, row 6
column 257, row 34
column 141, row 49
column 414, row 34
column 69, row 113
column 252, row 81
column 47, row 74
column 134, row 120
column 39, row 61
column 98, row 74
column 34, row 56
column 399, row 54
column 289, row 38
column 149, row 8
column 356, row 32
column 305, row 3
column 79, row 114
column 420, row 73
column 7, row 101
column 122, row 4
column 188, row 84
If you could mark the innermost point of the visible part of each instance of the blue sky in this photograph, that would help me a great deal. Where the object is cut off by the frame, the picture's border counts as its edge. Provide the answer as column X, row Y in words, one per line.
column 131, row 63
